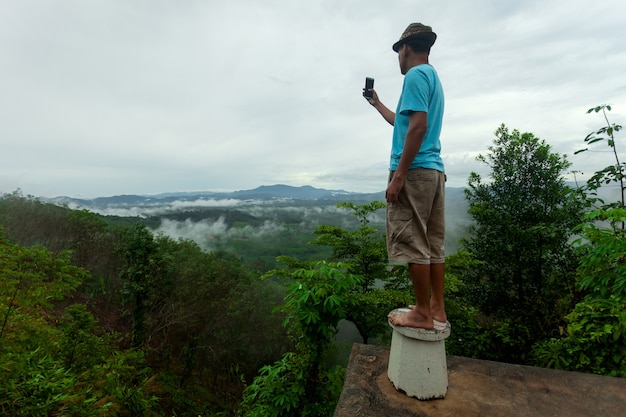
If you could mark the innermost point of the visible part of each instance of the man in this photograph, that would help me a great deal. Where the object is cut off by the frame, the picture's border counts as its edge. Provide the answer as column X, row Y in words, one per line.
column 415, row 192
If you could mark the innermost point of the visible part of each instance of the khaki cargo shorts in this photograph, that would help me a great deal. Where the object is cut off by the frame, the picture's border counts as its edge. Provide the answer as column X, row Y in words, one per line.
column 416, row 222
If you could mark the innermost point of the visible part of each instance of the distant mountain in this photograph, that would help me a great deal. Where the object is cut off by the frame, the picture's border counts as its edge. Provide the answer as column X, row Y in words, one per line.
column 265, row 192
column 306, row 192
column 278, row 193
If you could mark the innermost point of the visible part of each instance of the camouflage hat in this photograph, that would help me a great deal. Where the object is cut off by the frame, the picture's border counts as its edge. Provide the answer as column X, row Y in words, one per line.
column 416, row 31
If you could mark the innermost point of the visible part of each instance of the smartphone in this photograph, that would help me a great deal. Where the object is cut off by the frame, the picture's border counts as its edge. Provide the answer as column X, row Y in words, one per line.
column 369, row 84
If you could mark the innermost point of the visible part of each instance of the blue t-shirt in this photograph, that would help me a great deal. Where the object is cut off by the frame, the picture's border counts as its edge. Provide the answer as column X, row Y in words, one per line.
column 421, row 92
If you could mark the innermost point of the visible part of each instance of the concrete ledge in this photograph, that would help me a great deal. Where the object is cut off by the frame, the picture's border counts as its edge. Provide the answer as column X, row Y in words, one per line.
column 479, row 389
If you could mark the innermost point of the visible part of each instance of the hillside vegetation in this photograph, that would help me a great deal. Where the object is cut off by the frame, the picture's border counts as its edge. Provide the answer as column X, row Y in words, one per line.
column 104, row 315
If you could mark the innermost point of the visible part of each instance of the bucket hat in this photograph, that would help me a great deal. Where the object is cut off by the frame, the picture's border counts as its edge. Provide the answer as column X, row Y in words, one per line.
column 416, row 31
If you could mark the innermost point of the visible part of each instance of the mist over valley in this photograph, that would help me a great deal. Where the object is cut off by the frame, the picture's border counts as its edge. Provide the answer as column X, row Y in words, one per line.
column 260, row 224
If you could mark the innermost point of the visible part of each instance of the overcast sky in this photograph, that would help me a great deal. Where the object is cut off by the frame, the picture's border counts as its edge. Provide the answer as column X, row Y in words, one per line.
column 108, row 97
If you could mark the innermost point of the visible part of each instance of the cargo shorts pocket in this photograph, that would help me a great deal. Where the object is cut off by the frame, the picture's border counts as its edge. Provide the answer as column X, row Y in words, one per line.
column 400, row 224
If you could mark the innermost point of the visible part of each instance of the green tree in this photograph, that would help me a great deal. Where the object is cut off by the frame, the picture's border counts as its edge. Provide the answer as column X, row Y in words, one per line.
column 79, row 345
column 29, row 222
column 363, row 249
column 524, row 217
column 301, row 384
column 31, row 280
column 195, row 315
column 140, row 276
column 364, row 252
column 613, row 173
column 50, row 368
column 595, row 337
column 469, row 337
column 207, row 323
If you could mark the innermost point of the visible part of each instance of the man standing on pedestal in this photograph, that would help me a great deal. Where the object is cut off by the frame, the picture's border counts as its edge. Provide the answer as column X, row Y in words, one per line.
column 415, row 192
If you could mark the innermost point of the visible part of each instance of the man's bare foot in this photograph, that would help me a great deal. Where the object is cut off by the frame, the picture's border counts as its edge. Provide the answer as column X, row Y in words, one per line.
column 411, row 319
column 441, row 317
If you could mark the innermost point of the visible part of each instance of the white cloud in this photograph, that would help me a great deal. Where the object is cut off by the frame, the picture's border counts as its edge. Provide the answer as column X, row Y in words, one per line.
column 115, row 97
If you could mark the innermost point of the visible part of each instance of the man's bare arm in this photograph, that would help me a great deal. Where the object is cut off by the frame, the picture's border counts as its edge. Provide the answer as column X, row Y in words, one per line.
column 418, row 123
column 387, row 114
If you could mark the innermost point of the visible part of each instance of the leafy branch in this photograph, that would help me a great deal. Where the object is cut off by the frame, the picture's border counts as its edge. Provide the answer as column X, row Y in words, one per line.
column 611, row 173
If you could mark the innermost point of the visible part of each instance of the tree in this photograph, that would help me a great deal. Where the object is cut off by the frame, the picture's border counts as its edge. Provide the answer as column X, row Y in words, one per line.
column 52, row 368
column 524, row 217
column 27, row 221
column 301, row 383
column 602, row 247
column 207, row 321
column 595, row 336
column 195, row 317
column 364, row 252
column 31, row 280
column 140, row 275
column 614, row 172
column 363, row 249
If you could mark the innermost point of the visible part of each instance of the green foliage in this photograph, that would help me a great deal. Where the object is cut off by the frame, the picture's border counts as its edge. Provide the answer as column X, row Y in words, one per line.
column 80, row 348
column 602, row 250
column 126, row 383
column 612, row 173
column 32, row 278
column 29, row 222
column 34, row 384
column 468, row 337
column 315, row 302
column 65, row 369
column 524, row 218
column 210, row 317
column 364, row 251
column 141, row 277
column 476, row 334
column 280, row 390
column 93, row 245
column 595, row 337
column 300, row 384
column 198, row 313
column 368, row 311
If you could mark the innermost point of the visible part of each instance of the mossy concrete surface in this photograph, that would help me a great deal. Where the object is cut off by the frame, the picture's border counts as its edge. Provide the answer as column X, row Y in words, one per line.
column 479, row 388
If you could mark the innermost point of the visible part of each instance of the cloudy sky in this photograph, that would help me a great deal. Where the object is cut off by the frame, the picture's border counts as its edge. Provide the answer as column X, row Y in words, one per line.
column 108, row 97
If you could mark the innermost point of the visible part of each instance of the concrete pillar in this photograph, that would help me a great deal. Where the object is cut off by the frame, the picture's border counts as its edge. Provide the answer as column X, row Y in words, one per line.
column 417, row 360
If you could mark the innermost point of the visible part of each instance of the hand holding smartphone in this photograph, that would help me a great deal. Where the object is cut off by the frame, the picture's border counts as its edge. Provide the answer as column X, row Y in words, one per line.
column 367, row 91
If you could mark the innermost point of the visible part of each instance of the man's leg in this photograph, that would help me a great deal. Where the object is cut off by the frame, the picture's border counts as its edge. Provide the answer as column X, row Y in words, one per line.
column 420, row 316
column 436, row 238
column 437, row 307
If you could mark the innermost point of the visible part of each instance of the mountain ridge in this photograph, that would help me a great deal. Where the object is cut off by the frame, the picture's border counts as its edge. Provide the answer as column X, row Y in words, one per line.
column 276, row 192
column 263, row 192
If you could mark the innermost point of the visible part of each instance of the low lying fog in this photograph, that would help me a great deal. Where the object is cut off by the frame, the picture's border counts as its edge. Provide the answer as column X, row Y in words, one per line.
column 275, row 217
column 206, row 233
column 160, row 207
